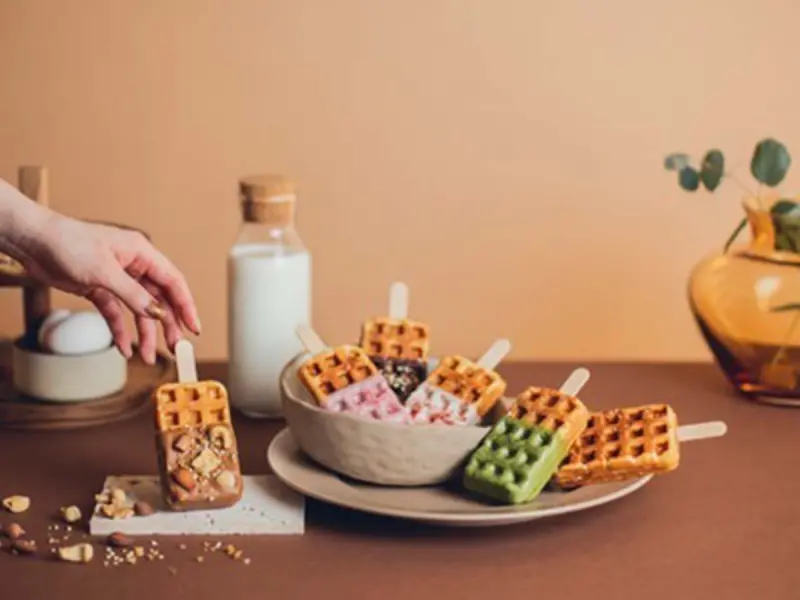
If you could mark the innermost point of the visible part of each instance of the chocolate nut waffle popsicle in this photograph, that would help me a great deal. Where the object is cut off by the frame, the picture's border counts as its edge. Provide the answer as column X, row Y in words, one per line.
column 397, row 345
column 459, row 391
column 344, row 379
column 522, row 451
column 196, row 446
column 627, row 443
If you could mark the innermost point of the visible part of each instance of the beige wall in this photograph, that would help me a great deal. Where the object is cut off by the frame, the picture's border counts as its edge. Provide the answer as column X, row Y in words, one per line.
column 502, row 157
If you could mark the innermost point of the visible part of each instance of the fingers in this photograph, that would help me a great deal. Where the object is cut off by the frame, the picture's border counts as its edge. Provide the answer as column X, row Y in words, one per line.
column 112, row 312
column 148, row 333
column 169, row 323
column 174, row 288
column 140, row 302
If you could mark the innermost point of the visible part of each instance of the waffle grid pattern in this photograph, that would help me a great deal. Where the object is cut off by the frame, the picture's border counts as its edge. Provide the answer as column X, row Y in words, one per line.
column 505, row 465
column 392, row 338
column 549, row 408
column 329, row 372
column 622, row 444
column 191, row 405
column 469, row 382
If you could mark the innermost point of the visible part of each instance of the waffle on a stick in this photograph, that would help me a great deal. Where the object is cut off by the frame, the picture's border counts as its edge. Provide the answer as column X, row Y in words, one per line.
column 521, row 453
column 622, row 444
column 334, row 370
column 196, row 446
column 469, row 382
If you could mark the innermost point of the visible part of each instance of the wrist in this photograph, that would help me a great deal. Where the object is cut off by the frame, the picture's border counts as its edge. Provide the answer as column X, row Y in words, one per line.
column 22, row 222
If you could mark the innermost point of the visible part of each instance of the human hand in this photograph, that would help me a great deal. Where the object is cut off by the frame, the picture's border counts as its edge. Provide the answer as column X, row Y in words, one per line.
column 113, row 268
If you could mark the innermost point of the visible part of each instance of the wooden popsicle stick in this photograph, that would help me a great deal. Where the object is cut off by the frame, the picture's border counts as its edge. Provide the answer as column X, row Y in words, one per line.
column 575, row 382
column 398, row 301
column 185, row 362
column 701, row 431
column 495, row 354
column 310, row 340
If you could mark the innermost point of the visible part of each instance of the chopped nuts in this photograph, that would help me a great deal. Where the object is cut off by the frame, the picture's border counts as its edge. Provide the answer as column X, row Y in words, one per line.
column 14, row 531
column 119, row 540
column 221, row 437
column 23, row 547
column 79, row 553
column 227, row 480
column 115, row 504
column 118, row 496
column 71, row 514
column 17, row 504
column 182, row 443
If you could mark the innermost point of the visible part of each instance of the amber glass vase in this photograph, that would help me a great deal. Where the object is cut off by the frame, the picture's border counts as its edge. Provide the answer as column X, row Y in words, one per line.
column 742, row 299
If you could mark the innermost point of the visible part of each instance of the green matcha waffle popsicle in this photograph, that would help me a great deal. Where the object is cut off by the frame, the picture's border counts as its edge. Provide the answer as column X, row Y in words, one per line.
column 523, row 450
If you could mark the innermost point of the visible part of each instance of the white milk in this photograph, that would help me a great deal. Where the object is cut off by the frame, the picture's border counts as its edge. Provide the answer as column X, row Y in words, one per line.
column 269, row 295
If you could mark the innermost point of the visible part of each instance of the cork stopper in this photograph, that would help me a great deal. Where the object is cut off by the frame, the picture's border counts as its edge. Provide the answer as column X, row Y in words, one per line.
column 267, row 199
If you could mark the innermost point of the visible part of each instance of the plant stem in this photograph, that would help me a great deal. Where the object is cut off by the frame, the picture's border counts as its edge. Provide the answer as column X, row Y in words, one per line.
column 736, row 180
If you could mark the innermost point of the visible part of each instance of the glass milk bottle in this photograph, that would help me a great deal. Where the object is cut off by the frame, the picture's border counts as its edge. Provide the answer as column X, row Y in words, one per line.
column 269, row 294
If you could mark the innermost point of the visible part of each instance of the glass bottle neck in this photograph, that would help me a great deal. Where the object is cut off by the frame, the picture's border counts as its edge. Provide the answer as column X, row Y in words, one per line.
column 269, row 235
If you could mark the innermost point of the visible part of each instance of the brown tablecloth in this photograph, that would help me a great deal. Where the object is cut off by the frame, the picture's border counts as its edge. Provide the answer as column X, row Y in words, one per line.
column 725, row 525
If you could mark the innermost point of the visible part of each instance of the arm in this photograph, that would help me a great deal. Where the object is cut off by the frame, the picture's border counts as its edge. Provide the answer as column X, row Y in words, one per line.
column 21, row 222
column 111, row 267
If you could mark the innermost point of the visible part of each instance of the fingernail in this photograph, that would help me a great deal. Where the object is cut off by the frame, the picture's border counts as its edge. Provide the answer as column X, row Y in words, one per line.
column 198, row 326
column 154, row 311
column 125, row 351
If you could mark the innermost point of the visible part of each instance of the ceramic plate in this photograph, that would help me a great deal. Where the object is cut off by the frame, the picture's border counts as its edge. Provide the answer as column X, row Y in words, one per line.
column 434, row 505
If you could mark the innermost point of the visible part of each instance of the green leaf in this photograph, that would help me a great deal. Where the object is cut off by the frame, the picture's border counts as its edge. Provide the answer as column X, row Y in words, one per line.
column 676, row 161
column 770, row 162
column 786, row 221
column 786, row 307
column 689, row 179
column 712, row 170
column 782, row 207
column 742, row 224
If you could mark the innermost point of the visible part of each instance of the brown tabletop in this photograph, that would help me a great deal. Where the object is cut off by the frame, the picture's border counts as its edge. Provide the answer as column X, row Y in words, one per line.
column 726, row 524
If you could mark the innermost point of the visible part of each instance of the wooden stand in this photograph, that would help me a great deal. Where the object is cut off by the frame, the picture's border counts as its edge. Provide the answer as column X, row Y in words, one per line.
column 19, row 411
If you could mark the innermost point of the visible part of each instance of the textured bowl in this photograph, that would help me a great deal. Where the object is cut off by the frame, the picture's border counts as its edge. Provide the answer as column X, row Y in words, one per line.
column 67, row 378
column 373, row 451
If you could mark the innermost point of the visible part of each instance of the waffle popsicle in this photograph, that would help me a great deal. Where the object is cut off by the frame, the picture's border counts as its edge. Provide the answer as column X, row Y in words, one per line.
column 195, row 443
column 627, row 443
column 344, row 379
column 397, row 345
column 522, row 451
column 459, row 391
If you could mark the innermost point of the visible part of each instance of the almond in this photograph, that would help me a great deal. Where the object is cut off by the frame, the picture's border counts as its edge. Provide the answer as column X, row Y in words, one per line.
column 119, row 540
column 143, row 509
column 23, row 547
column 14, row 531
column 184, row 478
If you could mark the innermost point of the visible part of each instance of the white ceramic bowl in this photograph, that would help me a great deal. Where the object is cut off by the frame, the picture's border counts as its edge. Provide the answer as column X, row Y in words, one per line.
column 374, row 451
column 60, row 378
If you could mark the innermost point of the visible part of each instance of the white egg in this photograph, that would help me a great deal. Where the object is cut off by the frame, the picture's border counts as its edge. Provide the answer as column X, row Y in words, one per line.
column 53, row 319
column 80, row 333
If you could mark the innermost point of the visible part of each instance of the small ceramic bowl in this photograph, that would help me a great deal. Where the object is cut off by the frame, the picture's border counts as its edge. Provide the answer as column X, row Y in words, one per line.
column 58, row 378
column 374, row 451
